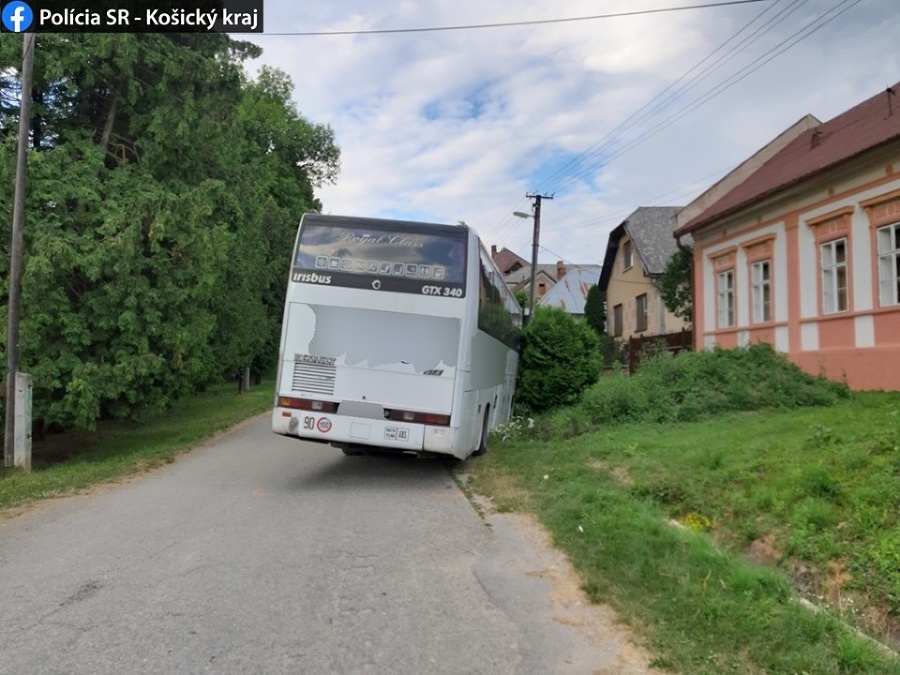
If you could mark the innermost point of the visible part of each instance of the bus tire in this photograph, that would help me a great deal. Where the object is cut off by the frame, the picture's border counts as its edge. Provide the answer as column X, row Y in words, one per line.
column 483, row 443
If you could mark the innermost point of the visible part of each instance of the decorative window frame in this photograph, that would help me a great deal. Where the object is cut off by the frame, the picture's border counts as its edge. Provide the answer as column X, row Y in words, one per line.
column 882, row 211
column 758, row 251
column 828, row 228
column 724, row 262
column 760, row 291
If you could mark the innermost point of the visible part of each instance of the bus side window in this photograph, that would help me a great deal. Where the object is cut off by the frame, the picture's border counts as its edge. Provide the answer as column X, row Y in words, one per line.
column 496, row 316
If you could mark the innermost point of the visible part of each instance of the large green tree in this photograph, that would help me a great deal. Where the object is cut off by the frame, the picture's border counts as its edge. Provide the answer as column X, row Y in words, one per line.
column 164, row 190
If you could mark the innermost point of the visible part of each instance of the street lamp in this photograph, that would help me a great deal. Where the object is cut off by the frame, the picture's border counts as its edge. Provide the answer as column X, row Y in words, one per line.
column 534, row 252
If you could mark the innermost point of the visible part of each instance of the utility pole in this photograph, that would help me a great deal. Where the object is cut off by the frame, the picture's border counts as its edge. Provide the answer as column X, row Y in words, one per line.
column 534, row 248
column 15, row 251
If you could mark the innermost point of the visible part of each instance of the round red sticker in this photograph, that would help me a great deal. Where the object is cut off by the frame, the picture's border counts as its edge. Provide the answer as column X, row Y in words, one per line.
column 323, row 425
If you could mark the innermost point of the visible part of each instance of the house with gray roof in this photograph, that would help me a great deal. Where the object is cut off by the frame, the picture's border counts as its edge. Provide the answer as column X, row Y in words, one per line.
column 544, row 280
column 507, row 261
column 571, row 288
column 548, row 293
column 637, row 253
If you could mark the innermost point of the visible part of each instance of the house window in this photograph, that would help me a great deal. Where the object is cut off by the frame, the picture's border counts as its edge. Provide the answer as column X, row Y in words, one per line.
column 725, row 294
column 627, row 255
column 889, row 264
column 617, row 321
column 642, row 312
column 834, row 276
column 541, row 289
column 761, row 291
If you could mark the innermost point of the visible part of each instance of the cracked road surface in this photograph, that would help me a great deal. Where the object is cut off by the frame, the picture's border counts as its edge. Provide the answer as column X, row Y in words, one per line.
column 260, row 554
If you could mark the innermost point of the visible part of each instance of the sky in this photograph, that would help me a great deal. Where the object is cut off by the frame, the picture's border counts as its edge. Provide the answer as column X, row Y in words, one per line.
column 604, row 114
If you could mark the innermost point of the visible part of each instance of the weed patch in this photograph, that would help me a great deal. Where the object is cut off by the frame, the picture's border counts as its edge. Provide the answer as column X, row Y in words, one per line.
column 693, row 386
column 786, row 502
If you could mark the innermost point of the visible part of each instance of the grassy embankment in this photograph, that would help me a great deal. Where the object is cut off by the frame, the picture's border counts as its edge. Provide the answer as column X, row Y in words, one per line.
column 67, row 463
column 711, row 498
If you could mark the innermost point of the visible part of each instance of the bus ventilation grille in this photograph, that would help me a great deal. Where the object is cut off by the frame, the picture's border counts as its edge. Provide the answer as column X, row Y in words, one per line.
column 314, row 377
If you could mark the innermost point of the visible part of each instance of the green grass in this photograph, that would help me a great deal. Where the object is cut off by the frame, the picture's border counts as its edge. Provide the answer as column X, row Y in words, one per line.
column 68, row 463
column 811, row 494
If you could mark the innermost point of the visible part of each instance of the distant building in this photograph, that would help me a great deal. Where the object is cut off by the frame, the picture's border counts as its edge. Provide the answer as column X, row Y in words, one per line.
column 517, row 274
column 507, row 261
column 572, row 285
column 637, row 253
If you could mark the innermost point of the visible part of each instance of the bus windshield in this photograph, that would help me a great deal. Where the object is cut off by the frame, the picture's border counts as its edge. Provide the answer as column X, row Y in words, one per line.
column 385, row 256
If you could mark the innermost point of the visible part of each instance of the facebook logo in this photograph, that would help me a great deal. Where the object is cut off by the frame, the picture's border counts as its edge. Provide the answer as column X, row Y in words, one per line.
column 17, row 16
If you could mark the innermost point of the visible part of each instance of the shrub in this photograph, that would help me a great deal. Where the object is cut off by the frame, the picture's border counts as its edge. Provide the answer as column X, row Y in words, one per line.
column 560, row 358
column 697, row 385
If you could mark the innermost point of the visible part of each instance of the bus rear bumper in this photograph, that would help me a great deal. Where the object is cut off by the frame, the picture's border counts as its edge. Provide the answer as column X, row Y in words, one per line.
column 355, row 431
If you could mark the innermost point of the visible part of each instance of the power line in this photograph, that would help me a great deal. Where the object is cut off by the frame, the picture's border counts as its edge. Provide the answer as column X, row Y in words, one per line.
column 657, row 103
column 637, row 118
column 509, row 24
column 736, row 77
column 741, row 74
column 508, row 224
column 807, row 30
column 583, row 266
column 616, row 217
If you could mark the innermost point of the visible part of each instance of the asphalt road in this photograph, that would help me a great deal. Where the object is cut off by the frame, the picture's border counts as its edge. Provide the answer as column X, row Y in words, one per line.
column 259, row 554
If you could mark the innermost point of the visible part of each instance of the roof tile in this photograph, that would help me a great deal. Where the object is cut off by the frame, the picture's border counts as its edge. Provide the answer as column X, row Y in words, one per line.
column 873, row 122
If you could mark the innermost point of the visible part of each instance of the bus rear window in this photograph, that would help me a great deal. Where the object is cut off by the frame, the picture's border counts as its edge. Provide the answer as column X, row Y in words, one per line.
column 382, row 258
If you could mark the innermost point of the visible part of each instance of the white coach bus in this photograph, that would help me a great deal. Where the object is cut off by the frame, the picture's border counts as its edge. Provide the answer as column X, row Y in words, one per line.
column 396, row 335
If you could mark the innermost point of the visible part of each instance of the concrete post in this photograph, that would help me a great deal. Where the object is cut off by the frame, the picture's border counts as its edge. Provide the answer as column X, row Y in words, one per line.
column 22, row 430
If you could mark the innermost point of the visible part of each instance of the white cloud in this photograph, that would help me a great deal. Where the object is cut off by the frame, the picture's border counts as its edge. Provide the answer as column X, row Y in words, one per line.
column 460, row 125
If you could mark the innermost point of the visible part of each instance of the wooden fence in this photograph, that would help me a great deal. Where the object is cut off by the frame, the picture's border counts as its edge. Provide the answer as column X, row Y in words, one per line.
column 670, row 342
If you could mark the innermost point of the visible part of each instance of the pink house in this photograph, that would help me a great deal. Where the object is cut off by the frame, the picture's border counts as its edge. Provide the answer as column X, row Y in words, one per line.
column 804, row 253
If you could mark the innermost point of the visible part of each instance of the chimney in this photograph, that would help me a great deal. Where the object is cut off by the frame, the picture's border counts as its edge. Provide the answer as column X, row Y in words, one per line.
column 816, row 139
column 493, row 250
column 560, row 270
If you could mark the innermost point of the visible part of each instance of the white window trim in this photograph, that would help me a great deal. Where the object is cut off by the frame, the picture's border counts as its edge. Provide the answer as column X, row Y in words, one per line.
column 830, row 274
column 761, row 291
column 888, row 264
column 627, row 255
column 725, row 299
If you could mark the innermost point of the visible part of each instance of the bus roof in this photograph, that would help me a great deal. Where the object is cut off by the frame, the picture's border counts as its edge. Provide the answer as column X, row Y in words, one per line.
column 392, row 222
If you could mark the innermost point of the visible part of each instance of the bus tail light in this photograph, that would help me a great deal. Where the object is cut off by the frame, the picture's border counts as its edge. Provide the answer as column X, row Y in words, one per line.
column 307, row 404
column 419, row 417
